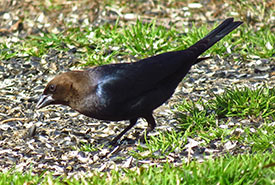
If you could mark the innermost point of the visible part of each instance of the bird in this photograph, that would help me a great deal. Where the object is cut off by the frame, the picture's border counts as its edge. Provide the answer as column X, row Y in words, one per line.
column 129, row 91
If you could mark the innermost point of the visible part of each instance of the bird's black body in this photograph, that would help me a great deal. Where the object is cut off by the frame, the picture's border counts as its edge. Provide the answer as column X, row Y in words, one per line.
column 129, row 91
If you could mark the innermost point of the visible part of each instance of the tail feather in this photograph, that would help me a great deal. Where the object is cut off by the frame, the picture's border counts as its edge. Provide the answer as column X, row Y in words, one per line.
column 214, row 36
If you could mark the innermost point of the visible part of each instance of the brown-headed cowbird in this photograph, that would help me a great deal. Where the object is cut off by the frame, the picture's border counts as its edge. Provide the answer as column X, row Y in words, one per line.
column 128, row 91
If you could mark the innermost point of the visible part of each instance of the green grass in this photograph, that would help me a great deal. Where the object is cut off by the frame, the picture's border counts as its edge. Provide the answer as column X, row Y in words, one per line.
column 251, row 111
column 257, row 42
column 240, row 103
column 240, row 169
column 257, row 107
column 107, row 43
column 259, row 103
column 206, row 122
column 87, row 147
column 198, row 119
column 195, row 115
column 161, row 145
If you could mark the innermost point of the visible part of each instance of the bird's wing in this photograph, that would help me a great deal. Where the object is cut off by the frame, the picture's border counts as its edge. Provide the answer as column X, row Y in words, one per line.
column 159, row 74
column 123, row 82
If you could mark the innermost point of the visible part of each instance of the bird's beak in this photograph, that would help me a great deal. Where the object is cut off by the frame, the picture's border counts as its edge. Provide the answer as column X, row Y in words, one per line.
column 44, row 100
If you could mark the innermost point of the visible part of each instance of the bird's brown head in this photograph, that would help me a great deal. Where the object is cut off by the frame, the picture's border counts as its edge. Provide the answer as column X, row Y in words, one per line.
column 61, row 89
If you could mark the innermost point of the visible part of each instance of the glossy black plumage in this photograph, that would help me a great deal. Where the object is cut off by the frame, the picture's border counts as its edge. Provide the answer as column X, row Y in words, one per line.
column 129, row 91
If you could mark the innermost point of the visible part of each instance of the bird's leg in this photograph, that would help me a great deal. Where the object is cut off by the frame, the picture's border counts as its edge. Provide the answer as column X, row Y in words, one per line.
column 151, row 122
column 132, row 123
column 151, row 125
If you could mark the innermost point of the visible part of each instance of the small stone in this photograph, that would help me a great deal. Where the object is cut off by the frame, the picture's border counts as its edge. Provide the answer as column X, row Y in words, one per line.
column 32, row 131
column 194, row 5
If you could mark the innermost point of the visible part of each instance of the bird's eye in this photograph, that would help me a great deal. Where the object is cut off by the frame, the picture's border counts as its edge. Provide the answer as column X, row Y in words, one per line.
column 52, row 87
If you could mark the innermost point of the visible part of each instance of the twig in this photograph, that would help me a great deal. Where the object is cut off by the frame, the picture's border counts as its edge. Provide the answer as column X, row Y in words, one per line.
column 12, row 119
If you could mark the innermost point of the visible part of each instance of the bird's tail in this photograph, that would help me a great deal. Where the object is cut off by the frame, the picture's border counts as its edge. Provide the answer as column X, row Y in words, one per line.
column 214, row 36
